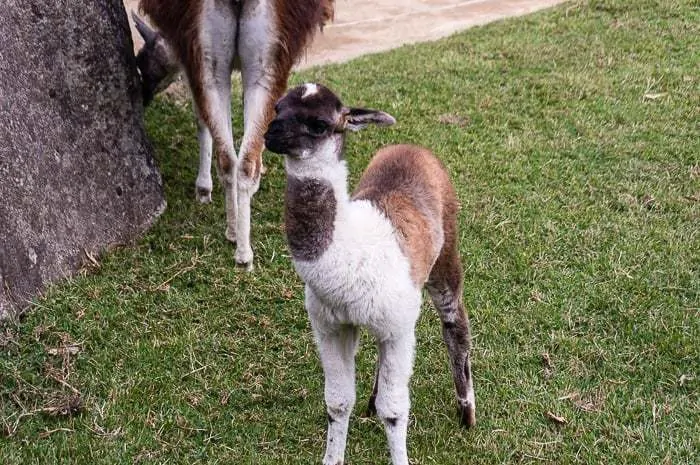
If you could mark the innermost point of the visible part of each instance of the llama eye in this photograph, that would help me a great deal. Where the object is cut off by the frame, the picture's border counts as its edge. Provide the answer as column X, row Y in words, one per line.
column 318, row 127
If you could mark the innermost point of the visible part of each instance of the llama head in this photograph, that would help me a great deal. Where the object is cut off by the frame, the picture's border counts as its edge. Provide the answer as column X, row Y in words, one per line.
column 310, row 122
column 156, row 61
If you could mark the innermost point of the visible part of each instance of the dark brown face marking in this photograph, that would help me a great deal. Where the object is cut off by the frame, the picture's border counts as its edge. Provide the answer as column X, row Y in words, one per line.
column 157, row 70
column 304, row 120
column 309, row 216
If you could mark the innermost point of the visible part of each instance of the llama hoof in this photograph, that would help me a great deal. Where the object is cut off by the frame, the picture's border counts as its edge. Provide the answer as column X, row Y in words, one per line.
column 244, row 259
column 246, row 266
column 467, row 415
column 203, row 195
column 230, row 234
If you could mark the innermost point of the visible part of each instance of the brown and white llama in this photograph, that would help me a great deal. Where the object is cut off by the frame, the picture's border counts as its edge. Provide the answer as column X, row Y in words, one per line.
column 208, row 39
column 365, row 258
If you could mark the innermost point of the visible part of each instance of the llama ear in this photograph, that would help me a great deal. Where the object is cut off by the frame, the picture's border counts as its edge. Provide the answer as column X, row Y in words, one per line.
column 358, row 118
column 149, row 35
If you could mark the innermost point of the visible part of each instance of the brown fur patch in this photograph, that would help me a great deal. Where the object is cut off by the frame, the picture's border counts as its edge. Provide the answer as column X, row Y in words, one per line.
column 252, row 164
column 179, row 22
column 223, row 160
column 448, row 268
column 415, row 232
column 411, row 187
column 309, row 216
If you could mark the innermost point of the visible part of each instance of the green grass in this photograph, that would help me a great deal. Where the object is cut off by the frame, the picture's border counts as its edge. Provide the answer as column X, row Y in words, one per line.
column 573, row 138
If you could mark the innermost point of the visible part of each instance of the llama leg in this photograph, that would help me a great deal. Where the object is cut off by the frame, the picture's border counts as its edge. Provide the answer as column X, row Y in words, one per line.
column 209, row 77
column 445, row 288
column 213, row 104
column 337, row 345
column 250, row 169
column 455, row 332
column 226, row 162
column 337, row 350
column 266, row 61
column 392, row 402
column 203, row 185
column 263, row 83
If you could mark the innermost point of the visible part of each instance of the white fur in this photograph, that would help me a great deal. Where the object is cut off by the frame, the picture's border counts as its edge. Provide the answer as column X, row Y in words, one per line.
column 256, row 39
column 204, row 182
column 471, row 400
column 309, row 90
column 322, row 165
column 363, row 276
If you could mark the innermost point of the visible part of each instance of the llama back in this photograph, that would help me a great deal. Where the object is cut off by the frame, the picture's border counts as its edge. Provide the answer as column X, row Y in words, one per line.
column 412, row 188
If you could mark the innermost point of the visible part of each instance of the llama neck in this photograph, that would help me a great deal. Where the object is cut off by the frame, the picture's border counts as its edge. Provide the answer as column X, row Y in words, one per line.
column 326, row 165
column 315, row 196
column 309, row 217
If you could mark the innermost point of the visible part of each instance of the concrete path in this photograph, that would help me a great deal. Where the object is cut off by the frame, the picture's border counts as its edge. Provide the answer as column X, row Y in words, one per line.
column 370, row 26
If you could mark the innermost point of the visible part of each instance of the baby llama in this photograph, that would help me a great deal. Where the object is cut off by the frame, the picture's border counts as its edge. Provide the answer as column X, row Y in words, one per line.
column 365, row 258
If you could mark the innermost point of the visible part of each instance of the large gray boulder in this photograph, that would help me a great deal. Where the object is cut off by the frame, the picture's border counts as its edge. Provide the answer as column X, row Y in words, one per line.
column 76, row 169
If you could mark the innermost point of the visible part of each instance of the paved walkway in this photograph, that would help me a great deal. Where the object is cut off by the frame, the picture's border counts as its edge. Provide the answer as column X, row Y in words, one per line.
column 370, row 26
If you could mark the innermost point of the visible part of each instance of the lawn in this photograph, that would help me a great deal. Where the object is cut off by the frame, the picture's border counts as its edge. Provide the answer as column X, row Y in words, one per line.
column 573, row 137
